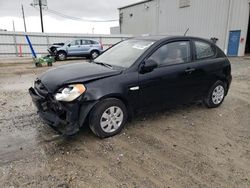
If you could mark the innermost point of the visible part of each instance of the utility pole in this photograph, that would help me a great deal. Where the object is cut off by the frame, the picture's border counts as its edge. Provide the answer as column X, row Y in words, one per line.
column 14, row 37
column 24, row 23
column 41, row 14
column 13, row 25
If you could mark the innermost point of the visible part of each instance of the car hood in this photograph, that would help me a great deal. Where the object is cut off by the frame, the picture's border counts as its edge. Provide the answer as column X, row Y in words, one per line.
column 56, row 46
column 55, row 78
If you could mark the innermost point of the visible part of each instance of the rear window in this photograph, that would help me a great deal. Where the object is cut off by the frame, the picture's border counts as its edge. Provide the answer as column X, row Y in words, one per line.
column 203, row 50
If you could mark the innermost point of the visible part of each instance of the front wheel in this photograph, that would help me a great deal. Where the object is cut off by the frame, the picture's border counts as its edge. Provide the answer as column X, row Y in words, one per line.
column 61, row 56
column 108, row 118
column 216, row 95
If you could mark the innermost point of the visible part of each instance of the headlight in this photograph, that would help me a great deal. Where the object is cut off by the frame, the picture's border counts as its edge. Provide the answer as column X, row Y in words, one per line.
column 70, row 92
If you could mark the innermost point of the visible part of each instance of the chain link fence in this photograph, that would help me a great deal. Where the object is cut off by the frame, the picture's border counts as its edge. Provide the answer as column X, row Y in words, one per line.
column 15, row 44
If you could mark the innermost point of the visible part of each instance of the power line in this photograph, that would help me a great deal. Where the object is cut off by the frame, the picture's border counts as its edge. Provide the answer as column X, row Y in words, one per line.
column 76, row 18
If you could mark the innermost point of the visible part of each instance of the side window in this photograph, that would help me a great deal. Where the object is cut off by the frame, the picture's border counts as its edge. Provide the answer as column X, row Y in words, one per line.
column 93, row 42
column 203, row 50
column 76, row 43
column 172, row 53
column 84, row 42
column 88, row 42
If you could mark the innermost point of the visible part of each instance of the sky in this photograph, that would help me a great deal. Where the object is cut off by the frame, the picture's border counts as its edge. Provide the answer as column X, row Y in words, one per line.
column 10, row 10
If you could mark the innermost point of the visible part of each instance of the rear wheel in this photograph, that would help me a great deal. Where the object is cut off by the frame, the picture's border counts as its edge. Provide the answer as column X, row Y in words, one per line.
column 61, row 56
column 94, row 54
column 108, row 118
column 216, row 95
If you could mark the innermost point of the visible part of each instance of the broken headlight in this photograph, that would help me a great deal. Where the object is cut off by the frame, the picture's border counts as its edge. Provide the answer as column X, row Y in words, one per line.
column 70, row 93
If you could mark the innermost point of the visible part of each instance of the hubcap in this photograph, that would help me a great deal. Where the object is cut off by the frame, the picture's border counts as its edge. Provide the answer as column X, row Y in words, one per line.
column 61, row 56
column 218, row 94
column 111, row 119
column 94, row 55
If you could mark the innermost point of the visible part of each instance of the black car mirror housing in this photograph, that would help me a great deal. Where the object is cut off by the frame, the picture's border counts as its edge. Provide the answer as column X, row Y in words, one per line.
column 148, row 66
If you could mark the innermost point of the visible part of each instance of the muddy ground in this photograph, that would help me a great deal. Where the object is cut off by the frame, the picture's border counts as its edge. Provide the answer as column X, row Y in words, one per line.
column 189, row 146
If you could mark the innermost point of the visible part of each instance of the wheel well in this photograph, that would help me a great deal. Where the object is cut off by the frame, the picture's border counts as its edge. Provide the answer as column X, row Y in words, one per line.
column 227, row 84
column 130, row 111
column 222, row 80
column 125, row 102
column 95, row 50
column 62, row 51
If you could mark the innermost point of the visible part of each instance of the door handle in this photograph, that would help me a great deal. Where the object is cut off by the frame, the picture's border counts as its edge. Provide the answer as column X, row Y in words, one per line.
column 190, row 70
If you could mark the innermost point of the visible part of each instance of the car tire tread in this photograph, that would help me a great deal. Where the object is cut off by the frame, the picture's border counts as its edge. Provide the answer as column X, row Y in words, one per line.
column 208, row 99
column 97, row 111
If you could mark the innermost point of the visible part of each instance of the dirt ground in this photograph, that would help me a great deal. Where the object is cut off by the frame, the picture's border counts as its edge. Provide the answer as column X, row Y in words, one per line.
column 189, row 146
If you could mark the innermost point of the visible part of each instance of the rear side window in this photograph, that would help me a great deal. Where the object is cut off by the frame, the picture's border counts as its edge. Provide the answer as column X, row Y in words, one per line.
column 93, row 42
column 86, row 42
column 203, row 50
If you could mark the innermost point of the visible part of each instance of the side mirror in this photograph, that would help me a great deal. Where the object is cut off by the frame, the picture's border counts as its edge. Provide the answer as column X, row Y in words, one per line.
column 69, row 45
column 148, row 66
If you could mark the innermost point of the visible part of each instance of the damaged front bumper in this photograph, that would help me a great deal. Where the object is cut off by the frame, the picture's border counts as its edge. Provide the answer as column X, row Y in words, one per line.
column 66, row 118
column 52, row 52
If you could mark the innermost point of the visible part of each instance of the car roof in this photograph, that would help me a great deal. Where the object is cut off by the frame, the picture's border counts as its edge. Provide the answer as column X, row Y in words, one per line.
column 167, row 37
column 85, row 39
column 153, row 37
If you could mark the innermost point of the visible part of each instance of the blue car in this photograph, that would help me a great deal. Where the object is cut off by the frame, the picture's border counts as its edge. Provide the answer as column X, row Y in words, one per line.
column 76, row 48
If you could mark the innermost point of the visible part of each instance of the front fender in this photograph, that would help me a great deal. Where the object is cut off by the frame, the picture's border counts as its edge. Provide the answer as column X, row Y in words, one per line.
column 84, row 111
column 62, row 49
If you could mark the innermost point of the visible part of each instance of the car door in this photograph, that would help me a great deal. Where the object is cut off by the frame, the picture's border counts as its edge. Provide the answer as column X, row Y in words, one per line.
column 86, row 46
column 203, row 69
column 168, row 83
column 74, row 48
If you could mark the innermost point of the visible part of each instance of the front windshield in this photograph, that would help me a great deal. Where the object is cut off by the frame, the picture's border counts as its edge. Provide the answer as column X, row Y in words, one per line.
column 125, row 53
column 67, row 42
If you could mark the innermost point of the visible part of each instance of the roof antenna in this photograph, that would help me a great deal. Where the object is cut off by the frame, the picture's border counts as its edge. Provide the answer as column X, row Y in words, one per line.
column 186, row 32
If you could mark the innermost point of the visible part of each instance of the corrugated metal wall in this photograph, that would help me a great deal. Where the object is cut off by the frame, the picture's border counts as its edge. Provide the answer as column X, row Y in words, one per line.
column 139, row 19
column 10, row 42
column 204, row 18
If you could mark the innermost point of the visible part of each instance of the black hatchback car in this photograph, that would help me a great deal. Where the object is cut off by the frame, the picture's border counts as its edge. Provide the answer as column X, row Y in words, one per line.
column 135, row 75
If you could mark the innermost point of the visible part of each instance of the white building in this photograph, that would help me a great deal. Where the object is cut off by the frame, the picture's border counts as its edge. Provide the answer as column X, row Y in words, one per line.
column 115, row 30
column 225, row 20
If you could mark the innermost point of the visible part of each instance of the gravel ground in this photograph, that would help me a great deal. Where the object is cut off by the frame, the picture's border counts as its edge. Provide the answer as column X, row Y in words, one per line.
column 188, row 146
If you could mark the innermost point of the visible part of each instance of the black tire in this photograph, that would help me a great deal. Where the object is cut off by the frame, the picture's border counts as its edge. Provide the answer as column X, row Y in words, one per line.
column 210, row 100
column 49, row 64
column 94, row 54
column 61, row 56
column 97, row 113
column 38, row 65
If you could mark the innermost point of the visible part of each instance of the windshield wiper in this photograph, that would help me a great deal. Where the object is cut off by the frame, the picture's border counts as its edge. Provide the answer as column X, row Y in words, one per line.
column 103, row 64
